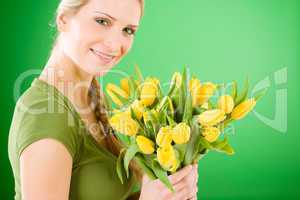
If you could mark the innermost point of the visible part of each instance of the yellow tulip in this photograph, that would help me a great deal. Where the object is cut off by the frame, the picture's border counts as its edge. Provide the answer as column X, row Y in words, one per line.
column 112, row 90
column 243, row 109
column 149, row 91
column 211, row 117
column 114, row 98
column 147, row 115
column 211, row 134
column 175, row 165
column 177, row 79
column 166, row 156
column 226, row 103
column 124, row 83
column 138, row 108
column 194, row 84
column 164, row 136
column 181, row 133
column 145, row 145
column 123, row 123
column 201, row 94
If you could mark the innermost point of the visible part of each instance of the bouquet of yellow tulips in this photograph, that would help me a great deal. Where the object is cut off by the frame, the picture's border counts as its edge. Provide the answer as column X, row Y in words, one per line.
column 165, row 132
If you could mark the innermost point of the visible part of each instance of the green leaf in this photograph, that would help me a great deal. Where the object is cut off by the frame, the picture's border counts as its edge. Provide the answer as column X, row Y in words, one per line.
column 160, row 93
column 162, row 175
column 198, row 157
column 228, row 149
column 165, row 103
column 171, row 121
column 142, row 163
column 190, row 148
column 182, row 94
column 181, row 148
column 130, row 153
column 171, row 89
column 188, row 108
column 170, row 107
column 223, row 146
column 122, row 99
column 123, row 138
column 150, row 129
column 198, row 110
column 133, row 88
column 201, row 146
column 260, row 94
column 138, row 73
column 234, row 90
column 204, row 143
column 134, row 117
column 243, row 95
column 119, row 168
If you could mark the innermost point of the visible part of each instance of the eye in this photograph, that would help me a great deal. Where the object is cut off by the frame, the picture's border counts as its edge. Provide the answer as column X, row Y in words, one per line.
column 102, row 21
column 129, row 31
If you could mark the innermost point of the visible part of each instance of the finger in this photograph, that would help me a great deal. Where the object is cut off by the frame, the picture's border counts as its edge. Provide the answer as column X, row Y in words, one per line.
column 193, row 193
column 196, row 176
column 191, row 178
column 181, row 184
column 178, row 195
column 184, row 194
column 175, row 178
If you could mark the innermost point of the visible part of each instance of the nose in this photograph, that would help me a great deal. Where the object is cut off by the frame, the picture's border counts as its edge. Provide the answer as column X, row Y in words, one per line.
column 112, row 42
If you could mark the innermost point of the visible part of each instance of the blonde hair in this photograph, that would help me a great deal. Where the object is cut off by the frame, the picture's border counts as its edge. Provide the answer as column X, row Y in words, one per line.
column 74, row 5
column 96, row 94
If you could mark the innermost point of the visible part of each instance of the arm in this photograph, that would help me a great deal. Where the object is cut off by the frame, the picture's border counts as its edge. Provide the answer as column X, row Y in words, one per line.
column 45, row 171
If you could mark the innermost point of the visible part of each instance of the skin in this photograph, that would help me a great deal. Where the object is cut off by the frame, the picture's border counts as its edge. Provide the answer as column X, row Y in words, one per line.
column 46, row 165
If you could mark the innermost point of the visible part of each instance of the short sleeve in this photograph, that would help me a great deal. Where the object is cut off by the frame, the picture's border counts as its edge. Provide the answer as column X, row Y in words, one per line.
column 40, row 122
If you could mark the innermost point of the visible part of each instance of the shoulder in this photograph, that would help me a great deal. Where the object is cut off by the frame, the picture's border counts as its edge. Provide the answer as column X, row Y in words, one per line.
column 43, row 114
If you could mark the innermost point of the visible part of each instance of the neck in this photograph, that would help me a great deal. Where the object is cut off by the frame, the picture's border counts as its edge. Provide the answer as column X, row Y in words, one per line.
column 61, row 72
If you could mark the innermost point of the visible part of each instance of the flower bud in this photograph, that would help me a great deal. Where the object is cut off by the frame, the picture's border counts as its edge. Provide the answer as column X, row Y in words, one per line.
column 226, row 103
column 123, row 123
column 166, row 156
column 201, row 94
column 164, row 136
column 211, row 117
column 145, row 145
column 149, row 91
column 181, row 133
column 211, row 134
column 243, row 109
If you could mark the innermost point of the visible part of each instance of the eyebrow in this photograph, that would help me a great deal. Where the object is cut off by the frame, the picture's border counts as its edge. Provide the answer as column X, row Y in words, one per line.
column 114, row 18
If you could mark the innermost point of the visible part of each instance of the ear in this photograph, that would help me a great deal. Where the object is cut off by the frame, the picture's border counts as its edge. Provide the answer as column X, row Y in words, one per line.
column 62, row 21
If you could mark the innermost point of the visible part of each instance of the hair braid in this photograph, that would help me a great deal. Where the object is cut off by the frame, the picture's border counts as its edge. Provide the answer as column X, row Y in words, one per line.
column 107, row 133
column 100, row 110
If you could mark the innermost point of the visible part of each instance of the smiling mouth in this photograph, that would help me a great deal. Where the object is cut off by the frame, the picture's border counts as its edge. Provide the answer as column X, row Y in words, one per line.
column 103, row 56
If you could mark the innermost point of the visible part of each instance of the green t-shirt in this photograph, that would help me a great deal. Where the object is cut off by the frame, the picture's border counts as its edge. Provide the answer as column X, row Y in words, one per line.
column 44, row 112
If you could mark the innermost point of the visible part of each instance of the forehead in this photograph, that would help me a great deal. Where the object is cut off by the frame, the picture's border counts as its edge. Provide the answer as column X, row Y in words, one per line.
column 125, row 11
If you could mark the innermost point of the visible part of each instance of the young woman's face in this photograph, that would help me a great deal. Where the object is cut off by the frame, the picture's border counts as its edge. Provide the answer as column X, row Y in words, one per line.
column 100, row 33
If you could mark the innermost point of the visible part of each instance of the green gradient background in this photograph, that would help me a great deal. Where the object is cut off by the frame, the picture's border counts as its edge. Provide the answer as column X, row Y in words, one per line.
column 219, row 40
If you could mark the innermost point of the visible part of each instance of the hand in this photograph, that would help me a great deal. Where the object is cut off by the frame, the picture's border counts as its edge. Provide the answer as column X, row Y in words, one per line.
column 184, row 183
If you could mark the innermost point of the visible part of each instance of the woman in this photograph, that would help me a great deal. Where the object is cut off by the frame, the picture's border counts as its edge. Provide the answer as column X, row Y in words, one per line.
column 59, row 141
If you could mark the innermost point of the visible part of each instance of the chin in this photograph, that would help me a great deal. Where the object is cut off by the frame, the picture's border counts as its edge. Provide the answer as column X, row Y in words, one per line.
column 99, row 70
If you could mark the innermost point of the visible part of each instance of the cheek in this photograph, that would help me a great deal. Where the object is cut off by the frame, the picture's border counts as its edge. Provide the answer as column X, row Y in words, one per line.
column 126, row 45
column 78, row 41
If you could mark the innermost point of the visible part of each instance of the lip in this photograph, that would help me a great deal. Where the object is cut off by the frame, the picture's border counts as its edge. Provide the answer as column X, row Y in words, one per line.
column 106, row 58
